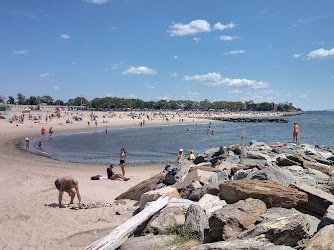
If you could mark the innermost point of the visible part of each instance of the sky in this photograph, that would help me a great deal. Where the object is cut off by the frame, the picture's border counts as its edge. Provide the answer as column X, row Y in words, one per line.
column 265, row 51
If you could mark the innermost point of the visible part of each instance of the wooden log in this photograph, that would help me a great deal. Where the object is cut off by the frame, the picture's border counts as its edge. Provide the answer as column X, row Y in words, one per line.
column 120, row 234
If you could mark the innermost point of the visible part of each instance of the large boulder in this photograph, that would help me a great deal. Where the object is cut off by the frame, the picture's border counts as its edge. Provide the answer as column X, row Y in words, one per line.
column 208, row 201
column 324, row 239
column 275, row 174
column 228, row 222
column 147, row 242
column 218, row 177
column 318, row 200
column 273, row 194
column 241, row 245
column 196, row 175
column 156, row 194
column 167, row 217
column 136, row 192
column 282, row 231
column 197, row 194
column 196, row 219
column 317, row 166
column 328, row 217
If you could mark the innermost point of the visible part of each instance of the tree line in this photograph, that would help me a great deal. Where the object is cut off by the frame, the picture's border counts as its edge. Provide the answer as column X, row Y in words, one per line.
column 114, row 103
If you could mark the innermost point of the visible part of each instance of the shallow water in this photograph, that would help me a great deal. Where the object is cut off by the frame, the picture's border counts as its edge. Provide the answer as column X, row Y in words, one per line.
column 161, row 143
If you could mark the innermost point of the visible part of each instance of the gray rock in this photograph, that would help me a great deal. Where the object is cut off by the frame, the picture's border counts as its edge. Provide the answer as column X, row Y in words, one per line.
column 282, row 231
column 218, row 178
column 243, row 173
column 196, row 219
column 275, row 174
column 318, row 200
column 206, row 189
column 324, row 239
column 328, row 217
column 228, row 222
column 241, row 245
column 175, row 202
column 147, row 242
column 283, row 161
column 195, row 185
column 257, row 155
column 130, row 210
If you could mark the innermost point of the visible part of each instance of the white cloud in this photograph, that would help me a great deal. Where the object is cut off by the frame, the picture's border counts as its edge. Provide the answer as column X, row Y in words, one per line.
column 196, row 39
column 227, row 38
column 162, row 98
column 20, row 52
column 116, row 66
column 142, row 70
column 235, row 52
column 109, row 94
column 193, row 93
column 150, row 87
column 175, row 57
column 44, row 75
column 303, row 96
column 64, row 36
column 331, row 77
column 216, row 80
column 297, row 55
column 196, row 26
column 56, row 88
column 175, row 74
column 97, row 1
column 133, row 96
column 219, row 26
column 321, row 53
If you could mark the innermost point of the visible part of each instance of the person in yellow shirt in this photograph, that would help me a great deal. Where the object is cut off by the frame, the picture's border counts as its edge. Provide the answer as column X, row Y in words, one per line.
column 191, row 155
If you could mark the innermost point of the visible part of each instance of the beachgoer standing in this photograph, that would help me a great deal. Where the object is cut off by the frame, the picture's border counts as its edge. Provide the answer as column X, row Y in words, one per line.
column 40, row 145
column 27, row 143
column 43, row 131
column 180, row 156
column 122, row 161
column 295, row 132
column 50, row 131
column 106, row 130
column 69, row 185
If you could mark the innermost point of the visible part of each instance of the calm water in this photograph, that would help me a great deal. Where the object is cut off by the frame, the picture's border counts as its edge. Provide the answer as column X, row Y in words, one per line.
column 161, row 143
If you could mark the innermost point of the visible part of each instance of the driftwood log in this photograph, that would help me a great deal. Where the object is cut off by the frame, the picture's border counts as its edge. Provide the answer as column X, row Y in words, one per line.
column 120, row 234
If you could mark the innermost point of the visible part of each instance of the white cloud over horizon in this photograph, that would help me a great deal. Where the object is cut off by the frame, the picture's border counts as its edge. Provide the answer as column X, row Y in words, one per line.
column 303, row 96
column 175, row 74
column 141, row 70
column 44, row 75
column 235, row 52
column 97, row 1
column 216, row 80
column 64, row 36
column 56, row 88
column 20, row 52
column 297, row 55
column 196, row 26
column 321, row 53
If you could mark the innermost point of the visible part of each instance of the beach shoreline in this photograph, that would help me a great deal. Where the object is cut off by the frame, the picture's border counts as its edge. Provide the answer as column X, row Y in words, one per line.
column 29, row 216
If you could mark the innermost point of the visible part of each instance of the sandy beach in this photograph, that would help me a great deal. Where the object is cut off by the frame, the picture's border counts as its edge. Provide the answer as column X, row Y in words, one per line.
column 29, row 215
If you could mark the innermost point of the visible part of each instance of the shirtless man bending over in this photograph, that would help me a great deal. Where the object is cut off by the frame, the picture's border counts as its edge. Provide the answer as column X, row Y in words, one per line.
column 70, row 185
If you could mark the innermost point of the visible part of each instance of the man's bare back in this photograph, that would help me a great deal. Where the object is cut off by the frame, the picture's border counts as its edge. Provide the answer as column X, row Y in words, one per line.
column 70, row 185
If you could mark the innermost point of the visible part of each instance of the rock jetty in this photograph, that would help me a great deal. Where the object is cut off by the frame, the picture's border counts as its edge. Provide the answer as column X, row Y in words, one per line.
column 281, row 197
column 249, row 119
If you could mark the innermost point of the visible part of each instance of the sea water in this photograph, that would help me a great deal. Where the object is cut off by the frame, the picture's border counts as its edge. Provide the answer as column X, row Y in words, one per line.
column 161, row 143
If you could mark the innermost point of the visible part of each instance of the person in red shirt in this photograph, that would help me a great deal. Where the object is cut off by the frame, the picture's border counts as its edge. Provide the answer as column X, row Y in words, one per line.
column 295, row 132
column 43, row 131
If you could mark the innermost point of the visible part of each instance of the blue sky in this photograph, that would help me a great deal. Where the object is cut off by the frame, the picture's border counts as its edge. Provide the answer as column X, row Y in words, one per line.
column 153, row 49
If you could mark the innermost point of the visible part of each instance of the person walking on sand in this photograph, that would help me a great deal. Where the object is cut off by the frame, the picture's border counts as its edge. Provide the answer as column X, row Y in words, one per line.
column 43, row 131
column 295, row 132
column 69, row 185
column 122, row 160
column 27, row 143
column 50, row 131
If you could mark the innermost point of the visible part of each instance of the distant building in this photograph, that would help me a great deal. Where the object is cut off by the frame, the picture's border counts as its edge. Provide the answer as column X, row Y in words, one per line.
column 250, row 105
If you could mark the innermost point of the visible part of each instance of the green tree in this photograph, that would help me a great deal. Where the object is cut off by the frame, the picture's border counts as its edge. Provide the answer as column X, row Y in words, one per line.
column 77, row 101
column 32, row 100
column 2, row 99
column 21, row 99
column 11, row 100
column 59, row 102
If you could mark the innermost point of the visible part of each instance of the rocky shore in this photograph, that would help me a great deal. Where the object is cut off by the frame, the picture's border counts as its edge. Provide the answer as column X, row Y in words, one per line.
column 249, row 119
column 281, row 197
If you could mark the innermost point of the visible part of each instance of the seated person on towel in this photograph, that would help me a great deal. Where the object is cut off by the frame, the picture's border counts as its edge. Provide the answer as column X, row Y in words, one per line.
column 113, row 176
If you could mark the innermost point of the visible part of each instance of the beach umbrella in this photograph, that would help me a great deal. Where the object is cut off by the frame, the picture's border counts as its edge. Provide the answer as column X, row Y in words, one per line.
column 5, row 113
